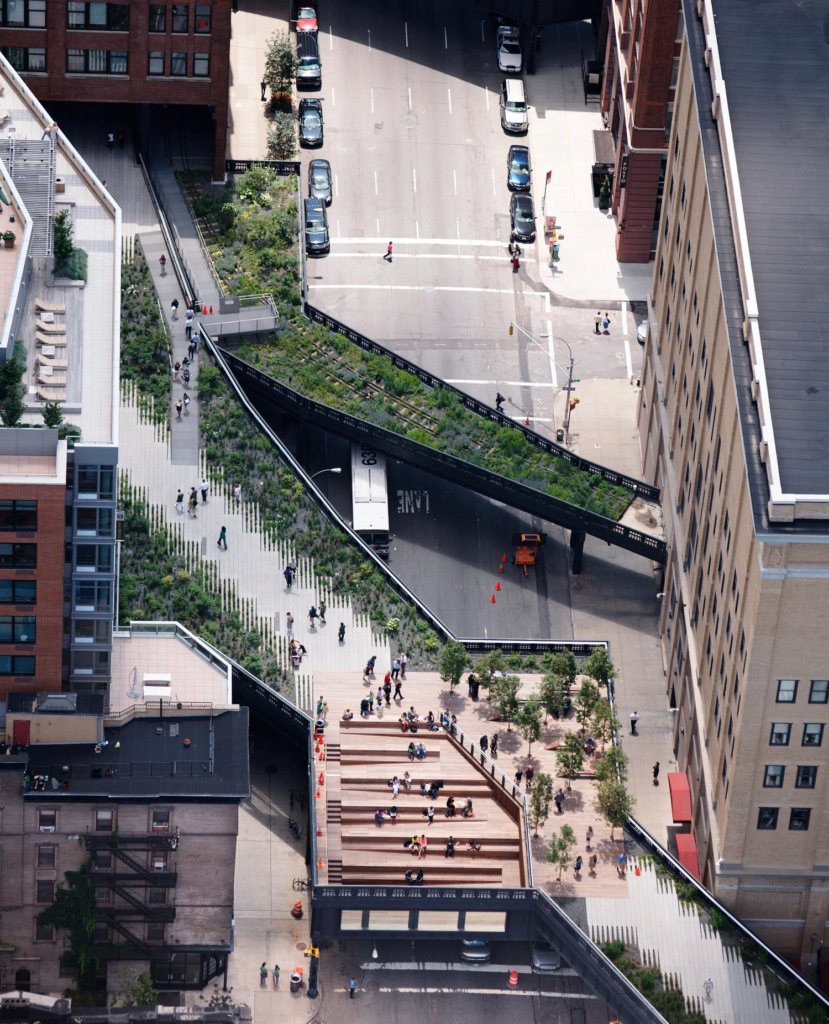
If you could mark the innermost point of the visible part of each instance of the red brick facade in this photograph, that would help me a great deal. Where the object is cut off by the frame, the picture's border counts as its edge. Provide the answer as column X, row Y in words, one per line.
column 137, row 86
column 48, row 609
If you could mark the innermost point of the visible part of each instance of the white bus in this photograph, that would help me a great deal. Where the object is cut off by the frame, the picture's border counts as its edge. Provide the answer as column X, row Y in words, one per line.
column 370, row 497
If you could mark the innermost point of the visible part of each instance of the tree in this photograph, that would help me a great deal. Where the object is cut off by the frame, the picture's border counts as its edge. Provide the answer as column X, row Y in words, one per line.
column 12, row 389
column 560, row 848
column 528, row 721
column 613, row 766
column 52, row 415
column 209, row 381
column 614, row 803
column 586, row 700
column 604, row 722
column 62, row 245
column 561, row 664
column 76, row 911
column 570, row 757
column 282, row 136
column 491, row 664
column 599, row 666
column 281, row 62
column 541, row 800
column 552, row 694
column 454, row 658
column 137, row 989
column 505, row 698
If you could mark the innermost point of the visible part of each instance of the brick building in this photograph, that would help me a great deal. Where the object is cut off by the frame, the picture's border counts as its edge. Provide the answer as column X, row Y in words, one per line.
column 132, row 52
column 732, row 421
column 144, row 799
column 641, row 62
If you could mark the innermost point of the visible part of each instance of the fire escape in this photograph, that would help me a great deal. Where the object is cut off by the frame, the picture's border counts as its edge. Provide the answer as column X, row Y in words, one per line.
column 123, row 880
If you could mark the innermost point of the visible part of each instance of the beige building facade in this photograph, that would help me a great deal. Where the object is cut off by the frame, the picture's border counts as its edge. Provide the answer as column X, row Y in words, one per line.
column 745, row 603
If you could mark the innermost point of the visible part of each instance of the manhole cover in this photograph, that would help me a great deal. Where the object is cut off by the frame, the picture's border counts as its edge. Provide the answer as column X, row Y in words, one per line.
column 372, row 986
column 410, row 120
column 271, row 769
column 302, row 946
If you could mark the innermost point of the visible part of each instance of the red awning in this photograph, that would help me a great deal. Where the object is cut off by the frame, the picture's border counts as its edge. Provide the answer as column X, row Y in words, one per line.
column 686, row 851
column 680, row 796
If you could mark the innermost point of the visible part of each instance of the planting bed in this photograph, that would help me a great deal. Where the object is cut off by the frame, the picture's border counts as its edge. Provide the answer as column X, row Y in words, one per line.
column 145, row 340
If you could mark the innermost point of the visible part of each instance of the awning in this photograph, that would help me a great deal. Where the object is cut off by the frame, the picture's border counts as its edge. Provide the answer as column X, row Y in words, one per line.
column 686, row 852
column 604, row 147
column 680, row 796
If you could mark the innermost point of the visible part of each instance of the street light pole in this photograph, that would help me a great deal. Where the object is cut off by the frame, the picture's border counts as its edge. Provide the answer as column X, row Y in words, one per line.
column 569, row 388
column 569, row 392
column 333, row 469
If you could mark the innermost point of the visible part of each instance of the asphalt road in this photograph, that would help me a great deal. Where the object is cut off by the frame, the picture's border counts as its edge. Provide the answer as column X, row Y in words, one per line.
column 412, row 130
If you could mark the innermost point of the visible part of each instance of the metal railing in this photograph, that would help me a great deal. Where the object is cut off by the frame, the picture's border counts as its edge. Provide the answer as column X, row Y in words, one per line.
column 195, row 643
column 223, row 328
column 174, row 707
column 639, row 487
column 458, row 470
column 183, row 275
column 208, row 259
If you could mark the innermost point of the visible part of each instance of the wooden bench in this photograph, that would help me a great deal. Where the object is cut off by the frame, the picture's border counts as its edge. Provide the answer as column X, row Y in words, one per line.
column 387, row 723
column 58, row 340
column 41, row 325
column 436, row 871
column 49, row 307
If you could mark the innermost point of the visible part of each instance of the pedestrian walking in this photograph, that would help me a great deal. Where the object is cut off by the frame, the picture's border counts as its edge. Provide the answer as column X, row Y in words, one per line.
column 594, row 860
column 606, row 323
column 421, row 853
column 493, row 744
column 51, row 132
column 188, row 330
column 395, row 668
column 186, row 403
column 162, row 259
column 499, row 402
column 174, row 308
column 176, row 371
column 370, row 699
column 289, row 576
column 388, row 256
column 484, row 743
column 430, row 814
column 404, row 659
column 192, row 504
column 387, row 691
column 322, row 609
column 204, row 487
column 237, row 493
column 180, row 502
column 634, row 718
column 179, row 407
column 397, row 690
column 289, row 623
column 352, row 988
column 589, row 835
column 559, row 799
column 222, row 541
column 312, row 615
column 191, row 351
column 276, row 976
column 263, row 85
column 708, row 985
column 319, row 705
column 656, row 774
column 263, row 970
column 341, row 633
column 597, row 323
column 529, row 775
column 189, row 315
column 185, row 376
column 110, row 140
column 519, row 775
column 577, row 866
column 516, row 263
column 622, row 864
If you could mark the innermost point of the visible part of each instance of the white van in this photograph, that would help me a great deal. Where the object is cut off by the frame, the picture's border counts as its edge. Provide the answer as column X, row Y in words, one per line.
column 513, row 106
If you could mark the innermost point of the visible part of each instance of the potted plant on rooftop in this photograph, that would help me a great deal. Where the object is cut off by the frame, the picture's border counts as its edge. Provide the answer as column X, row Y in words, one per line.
column 9, row 239
column 604, row 194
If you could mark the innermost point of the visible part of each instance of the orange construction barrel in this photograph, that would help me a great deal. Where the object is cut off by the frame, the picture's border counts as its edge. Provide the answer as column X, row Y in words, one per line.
column 513, row 979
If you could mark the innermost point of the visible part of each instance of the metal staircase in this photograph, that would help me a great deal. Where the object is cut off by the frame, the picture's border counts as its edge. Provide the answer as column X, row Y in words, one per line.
column 32, row 167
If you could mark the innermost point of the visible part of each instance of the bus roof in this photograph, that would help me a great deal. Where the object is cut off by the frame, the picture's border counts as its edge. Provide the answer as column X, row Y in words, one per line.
column 370, row 502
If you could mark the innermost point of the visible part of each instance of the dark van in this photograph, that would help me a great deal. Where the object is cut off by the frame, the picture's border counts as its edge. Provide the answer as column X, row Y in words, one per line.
column 309, row 69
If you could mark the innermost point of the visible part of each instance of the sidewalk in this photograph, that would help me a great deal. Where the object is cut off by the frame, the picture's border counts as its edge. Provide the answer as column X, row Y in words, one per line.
column 561, row 141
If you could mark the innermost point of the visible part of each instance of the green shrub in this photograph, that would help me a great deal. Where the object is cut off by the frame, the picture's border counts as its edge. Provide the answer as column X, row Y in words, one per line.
column 717, row 919
column 614, row 949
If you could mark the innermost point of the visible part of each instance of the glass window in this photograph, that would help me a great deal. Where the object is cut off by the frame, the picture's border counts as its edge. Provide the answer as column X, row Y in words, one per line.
column 767, row 817
column 117, row 66
column 786, row 691
column 25, row 629
column 18, row 556
column 87, row 477
column 155, row 931
column 103, row 859
column 23, row 59
column 103, row 821
column 16, row 665
column 201, row 65
column 156, row 66
column 812, row 734
column 158, row 895
column 202, row 23
column 799, row 819
column 18, row 591
column 102, row 894
column 36, row 58
column 158, row 17
column 780, row 732
column 76, row 14
column 100, row 931
column 91, row 631
column 43, row 932
column 159, row 861
column 87, row 522
column 97, row 61
column 819, row 691
column 45, row 892
column 46, row 856
column 161, row 821
column 96, row 17
column 18, row 516
column 119, row 17
column 93, row 595
column 36, row 12
column 806, row 777
column 181, row 17
column 178, row 64
column 89, row 663
column 773, row 776
column 47, row 821
column 75, row 60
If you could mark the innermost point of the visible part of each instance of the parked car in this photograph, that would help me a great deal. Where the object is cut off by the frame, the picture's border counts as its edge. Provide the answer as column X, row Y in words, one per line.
column 320, row 181
column 310, row 123
column 309, row 68
column 476, row 951
column 513, row 106
column 522, row 217
column 317, row 239
column 519, row 172
column 508, row 45
column 306, row 18
column 544, row 959
column 642, row 332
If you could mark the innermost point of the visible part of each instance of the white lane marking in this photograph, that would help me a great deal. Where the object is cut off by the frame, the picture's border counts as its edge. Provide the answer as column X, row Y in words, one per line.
column 493, row 181
column 333, row 97
column 414, row 179
column 422, row 255
column 336, row 186
column 338, row 228
column 481, row 242
column 547, row 302
column 376, row 191
column 483, row 40
column 330, row 37
column 406, row 27
column 486, row 93
column 410, row 97
column 369, row 40
column 457, row 219
column 512, row 383
column 566, row 972
column 372, row 100
column 551, row 350
column 377, row 221
column 449, row 94
column 412, row 288
column 417, row 230
column 628, row 362
column 624, row 318
column 455, row 180
column 445, row 39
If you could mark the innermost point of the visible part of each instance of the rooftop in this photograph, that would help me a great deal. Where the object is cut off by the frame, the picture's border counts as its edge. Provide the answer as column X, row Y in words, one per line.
column 762, row 54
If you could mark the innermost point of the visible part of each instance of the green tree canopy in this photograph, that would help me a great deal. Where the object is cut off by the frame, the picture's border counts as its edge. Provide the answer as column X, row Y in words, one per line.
column 76, row 912
column 585, row 701
column 603, row 722
column 281, row 62
column 52, row 414
column 560, row 848
column 561, row 664
column 454, row 659
column 614, row 803
column 599, row 666
column 137, row 989
column 570, row 757
column 528, row 721
column 282, row 136
column 487, row 667
column 541, row 801
column 505, row 698
column 612, row 766
column 11, row 388
column 552, row 693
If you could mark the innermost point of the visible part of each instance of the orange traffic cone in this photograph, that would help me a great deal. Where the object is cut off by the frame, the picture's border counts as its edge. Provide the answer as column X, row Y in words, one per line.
column 492, row 599
column 527, row 420
column 500, row 568
column 211, row 311
column 498, row 585
column 319, row 831
column 322, row 779
column 638, row 871
column 318, row 794
column 204, row 310
column 319, row 863
column 504, row 557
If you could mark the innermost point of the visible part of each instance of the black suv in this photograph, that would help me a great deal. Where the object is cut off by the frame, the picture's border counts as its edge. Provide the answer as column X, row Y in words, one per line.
column 317, row 239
